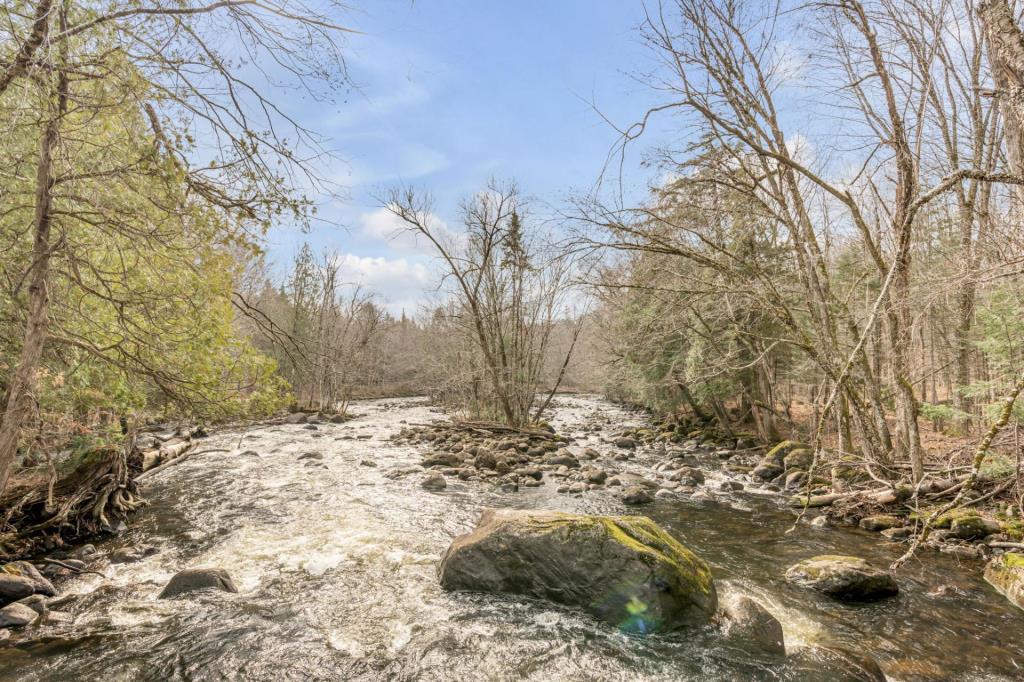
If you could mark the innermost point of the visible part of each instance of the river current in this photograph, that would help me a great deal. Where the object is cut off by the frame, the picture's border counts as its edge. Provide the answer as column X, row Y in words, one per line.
column 335, row 560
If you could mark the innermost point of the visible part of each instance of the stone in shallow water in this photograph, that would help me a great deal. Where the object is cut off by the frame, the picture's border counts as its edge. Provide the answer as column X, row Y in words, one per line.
column 1006, row 574
column 14, row 587
column 625, row 570
column 192, row 579
column 433, row 481
column 26, row 570
column 16, row 615
column 880, row 522
column 750, row 622
column 846, row 578
column 634, row 494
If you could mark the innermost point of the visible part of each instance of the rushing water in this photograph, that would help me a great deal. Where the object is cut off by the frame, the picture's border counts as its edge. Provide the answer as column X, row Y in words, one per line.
column 336, row 569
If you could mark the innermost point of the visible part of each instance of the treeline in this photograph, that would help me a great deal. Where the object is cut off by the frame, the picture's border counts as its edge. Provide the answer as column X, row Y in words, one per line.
column 333, row 341
column 142, row 162
column 847, row 283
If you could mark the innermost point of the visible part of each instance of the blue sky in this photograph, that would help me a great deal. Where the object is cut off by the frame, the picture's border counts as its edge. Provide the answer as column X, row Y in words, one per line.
column 451, row 92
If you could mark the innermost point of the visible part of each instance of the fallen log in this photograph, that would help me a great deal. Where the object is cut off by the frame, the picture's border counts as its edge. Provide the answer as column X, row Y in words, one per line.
column 177, row 460
column 879, row 497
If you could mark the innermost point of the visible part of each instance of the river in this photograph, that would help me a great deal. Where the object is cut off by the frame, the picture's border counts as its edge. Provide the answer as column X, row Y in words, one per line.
column 335, row 562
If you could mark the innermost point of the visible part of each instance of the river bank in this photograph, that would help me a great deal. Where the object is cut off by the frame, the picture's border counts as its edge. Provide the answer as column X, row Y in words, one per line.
column 335, row 561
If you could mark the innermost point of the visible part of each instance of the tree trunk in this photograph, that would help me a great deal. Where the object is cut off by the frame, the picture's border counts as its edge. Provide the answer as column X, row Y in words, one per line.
column 19, row 394
column 1006, row 54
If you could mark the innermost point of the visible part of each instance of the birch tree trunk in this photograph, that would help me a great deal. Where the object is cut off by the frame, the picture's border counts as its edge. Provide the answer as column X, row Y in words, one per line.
column 1006, row 54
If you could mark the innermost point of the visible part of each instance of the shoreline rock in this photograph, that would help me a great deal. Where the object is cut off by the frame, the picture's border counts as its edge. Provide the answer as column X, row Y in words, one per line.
column 845, row 578
column 1006, row 574
column 192, row 579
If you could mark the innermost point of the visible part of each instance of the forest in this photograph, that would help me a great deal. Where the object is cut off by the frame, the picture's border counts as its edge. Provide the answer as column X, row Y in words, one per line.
column 808, row 320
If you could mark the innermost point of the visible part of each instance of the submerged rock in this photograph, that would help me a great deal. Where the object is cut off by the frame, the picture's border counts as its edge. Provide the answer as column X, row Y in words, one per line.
column 833, row 664
column 846, row 578
column 1006, row 574
column 130, row 554
column 192, row 579
column 899, row 533
column 625, row 570
column 752, row 623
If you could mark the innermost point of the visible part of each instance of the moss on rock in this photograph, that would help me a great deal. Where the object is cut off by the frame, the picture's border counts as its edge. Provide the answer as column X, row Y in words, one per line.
column 626, row 570
column 1006, row 574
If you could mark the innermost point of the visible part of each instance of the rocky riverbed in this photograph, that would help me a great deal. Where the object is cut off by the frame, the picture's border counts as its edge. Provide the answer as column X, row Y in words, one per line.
column 331, row 534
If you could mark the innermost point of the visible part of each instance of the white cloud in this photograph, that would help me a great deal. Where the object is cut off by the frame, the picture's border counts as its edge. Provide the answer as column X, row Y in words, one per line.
column 401, row 283
column 384, row 226
column 801, row 149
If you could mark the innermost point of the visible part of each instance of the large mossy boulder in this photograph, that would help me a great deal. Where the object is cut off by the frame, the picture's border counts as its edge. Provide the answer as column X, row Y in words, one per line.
column 773, row 463
column 1006, row 574
column 777, row 454
column 846, row 578
column 798, row 458
column 625, row 570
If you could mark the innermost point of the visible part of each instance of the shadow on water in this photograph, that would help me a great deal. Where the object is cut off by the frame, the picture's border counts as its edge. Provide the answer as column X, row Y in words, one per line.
column 336, row 567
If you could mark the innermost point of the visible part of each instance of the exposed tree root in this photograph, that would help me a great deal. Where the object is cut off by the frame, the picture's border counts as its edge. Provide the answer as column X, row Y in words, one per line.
column 83, row 495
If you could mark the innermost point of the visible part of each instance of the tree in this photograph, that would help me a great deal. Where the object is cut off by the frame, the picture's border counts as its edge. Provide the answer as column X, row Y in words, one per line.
column 509, row 288
column 108, row 102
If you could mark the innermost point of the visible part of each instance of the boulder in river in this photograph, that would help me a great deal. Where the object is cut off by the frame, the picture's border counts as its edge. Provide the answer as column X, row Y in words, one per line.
column 634, row 494
column 624, row 570
column 774, row 462
column 448, row 459
column 880, row 522
column 625, row 443
column 14, row 587
column 798, row 458
column 36, row 602
column 16, row 615
column 1006, row 574
column 433, row 481
column 846, row 578
column 192, row 579
column 26, row 570
column 748, row 621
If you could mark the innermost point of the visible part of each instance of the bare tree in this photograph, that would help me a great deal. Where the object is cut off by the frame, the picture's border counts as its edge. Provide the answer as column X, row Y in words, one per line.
column 509, row 287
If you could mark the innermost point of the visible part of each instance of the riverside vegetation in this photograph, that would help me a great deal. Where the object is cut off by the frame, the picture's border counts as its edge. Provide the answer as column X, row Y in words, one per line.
column 828, row 330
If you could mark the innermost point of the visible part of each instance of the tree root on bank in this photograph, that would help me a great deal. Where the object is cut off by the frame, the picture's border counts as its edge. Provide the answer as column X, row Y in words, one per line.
column 83, row 495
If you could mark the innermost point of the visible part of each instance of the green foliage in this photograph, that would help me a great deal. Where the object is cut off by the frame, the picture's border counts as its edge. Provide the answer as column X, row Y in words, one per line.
column 144, row 263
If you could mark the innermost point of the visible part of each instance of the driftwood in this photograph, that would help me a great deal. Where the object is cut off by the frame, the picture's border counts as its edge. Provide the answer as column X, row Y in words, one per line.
column 498, row 428
column 177, row 460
